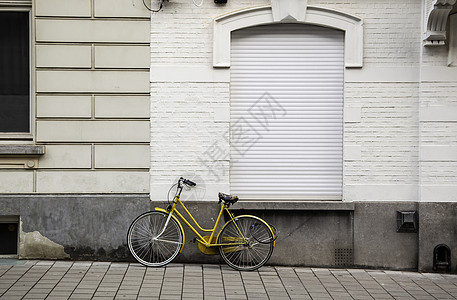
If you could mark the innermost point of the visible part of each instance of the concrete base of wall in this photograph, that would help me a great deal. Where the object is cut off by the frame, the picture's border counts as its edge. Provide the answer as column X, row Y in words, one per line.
column 376, row 240
column 438, row 225
column 330, row 234
column 76, row 227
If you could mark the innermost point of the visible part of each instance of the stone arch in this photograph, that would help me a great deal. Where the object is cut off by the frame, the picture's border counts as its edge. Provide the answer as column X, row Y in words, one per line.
column 351, row 25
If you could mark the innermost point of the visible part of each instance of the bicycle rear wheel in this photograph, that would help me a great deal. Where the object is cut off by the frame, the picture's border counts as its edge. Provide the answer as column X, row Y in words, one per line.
column 255, row 240
column 146, row 247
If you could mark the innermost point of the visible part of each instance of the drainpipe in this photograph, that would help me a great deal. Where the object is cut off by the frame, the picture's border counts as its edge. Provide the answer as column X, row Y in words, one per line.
column 419, row 126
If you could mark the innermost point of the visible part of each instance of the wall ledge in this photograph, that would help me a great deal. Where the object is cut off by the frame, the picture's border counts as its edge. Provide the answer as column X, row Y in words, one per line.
column 27, row 150
column 20, row 156
column 294, row 205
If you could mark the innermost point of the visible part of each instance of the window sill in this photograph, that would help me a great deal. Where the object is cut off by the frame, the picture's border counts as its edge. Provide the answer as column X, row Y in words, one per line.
column 295, row 205
column 20, row 156
column 16, row 136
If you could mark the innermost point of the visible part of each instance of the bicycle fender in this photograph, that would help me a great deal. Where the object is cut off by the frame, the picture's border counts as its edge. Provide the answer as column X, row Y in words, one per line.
column 179, row 223
column 255, row 217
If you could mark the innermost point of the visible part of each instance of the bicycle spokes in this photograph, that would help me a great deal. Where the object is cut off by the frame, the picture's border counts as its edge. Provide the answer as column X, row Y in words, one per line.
column 251, row 254
column 150, row 248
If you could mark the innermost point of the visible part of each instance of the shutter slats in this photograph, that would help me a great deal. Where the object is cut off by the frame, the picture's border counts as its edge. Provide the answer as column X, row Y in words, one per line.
column 287, row 112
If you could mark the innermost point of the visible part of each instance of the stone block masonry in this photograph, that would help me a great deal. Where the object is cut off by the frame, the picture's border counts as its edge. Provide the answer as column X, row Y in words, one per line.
column 92, row 83
column 90, row 112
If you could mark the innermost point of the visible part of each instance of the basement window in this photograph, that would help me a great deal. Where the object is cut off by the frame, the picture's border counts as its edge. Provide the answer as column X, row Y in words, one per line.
column 9, row 235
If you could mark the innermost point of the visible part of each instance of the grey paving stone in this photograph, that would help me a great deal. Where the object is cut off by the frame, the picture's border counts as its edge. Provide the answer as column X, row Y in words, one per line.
column 300, row 297
column 84, row 291
column 107, row 288
column 149, row 293
column 62, row 294
column 210, row 294
column 167, row 297
column 35, row 296
column 44, row 263
column 12, row 297
column 40, row 291
column 83, row 280
column 131, row 297
column 16, row 295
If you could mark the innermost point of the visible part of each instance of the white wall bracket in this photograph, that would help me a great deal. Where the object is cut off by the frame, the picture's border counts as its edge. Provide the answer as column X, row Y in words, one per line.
column 437, row 22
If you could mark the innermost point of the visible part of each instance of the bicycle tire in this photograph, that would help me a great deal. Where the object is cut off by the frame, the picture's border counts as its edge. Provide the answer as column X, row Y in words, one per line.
column 253, row 254
column 142, row 242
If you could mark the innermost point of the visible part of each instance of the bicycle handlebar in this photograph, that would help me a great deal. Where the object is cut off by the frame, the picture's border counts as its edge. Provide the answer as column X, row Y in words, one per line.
column 187, row 182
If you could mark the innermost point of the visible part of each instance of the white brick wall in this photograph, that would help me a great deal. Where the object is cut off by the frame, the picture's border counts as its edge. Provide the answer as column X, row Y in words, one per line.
column 387, row 133
column 392, row 29
column 439, row 137
column 184, row 132
column 383, row 101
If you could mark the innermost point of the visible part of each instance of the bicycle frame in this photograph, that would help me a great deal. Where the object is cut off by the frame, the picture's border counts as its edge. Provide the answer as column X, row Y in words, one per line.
column 244, row 242
column 173, row 210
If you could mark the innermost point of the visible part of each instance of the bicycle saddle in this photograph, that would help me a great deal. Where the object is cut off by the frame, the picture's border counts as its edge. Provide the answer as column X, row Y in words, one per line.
column 227, row 198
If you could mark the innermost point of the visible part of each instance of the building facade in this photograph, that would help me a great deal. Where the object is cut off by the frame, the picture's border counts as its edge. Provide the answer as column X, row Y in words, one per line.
column 333, row 120
column 81, row 165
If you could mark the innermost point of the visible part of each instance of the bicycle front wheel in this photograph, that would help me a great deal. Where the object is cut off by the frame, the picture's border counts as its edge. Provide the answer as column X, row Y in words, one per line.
column 249, row 243
column 147, row 247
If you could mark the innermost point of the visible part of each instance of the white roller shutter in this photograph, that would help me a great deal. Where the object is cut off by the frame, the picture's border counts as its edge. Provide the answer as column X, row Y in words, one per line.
column 287, row 112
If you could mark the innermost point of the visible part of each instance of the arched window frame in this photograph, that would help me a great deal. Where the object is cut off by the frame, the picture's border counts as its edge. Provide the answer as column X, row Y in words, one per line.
column 350, row 24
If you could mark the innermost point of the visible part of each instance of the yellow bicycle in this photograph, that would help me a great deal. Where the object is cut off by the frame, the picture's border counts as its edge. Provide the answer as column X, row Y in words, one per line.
column 245, row 242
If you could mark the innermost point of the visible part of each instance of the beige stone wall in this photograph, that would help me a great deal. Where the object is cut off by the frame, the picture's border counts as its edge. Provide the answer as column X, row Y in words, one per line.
column 92, row 61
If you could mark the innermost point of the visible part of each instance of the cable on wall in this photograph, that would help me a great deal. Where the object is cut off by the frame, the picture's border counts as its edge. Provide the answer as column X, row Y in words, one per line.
column 197, row 4
column 150, row 9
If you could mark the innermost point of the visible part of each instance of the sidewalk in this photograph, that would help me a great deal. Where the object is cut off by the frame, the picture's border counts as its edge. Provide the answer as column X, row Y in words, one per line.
column 104, row 280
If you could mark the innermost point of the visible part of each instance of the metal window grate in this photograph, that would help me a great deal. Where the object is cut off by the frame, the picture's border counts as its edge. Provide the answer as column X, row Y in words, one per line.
column 344, row 257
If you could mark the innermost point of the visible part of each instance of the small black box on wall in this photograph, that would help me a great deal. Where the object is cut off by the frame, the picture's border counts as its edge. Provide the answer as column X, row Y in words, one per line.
column 407, row 221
